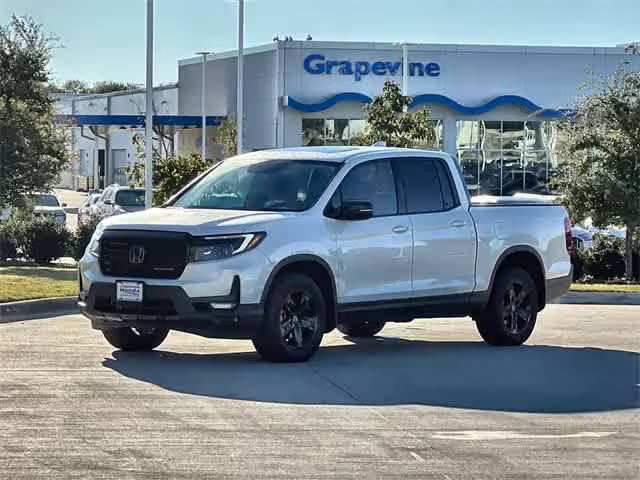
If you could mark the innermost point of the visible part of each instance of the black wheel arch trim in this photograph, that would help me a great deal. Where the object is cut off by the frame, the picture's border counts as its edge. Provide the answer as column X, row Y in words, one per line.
column 519, row 249
column 303, row 257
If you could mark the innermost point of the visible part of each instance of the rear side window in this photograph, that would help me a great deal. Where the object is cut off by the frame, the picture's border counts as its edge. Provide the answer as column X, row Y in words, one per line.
column 372, row 182
column 449, row 197
column 130, row 198
column 420, row 184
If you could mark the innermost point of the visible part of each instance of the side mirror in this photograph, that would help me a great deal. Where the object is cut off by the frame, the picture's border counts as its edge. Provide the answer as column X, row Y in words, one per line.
column 108, row 202
column 356, row 210
column 64, row 204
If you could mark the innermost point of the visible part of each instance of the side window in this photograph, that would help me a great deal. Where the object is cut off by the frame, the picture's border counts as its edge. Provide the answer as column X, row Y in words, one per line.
column 372, row 182
column 449, row 196
column 421, row 185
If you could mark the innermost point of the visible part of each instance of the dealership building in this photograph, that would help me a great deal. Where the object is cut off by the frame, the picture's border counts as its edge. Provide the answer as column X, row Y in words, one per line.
column 496, row 108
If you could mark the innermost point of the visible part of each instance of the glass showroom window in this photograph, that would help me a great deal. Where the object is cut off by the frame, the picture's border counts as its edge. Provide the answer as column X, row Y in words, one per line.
column 356, row 131
column 469, row 148
column 436, row 141
column 330, row 131
column 338, row 131
column 502, row 158
column 312, row 132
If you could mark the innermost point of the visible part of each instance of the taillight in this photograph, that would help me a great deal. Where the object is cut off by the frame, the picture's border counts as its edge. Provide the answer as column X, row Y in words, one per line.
column 567, row 235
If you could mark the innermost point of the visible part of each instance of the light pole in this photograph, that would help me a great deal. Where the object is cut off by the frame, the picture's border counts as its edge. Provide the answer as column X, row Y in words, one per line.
column 204, row 54
column 240, row 84
column 405, row 69
column 148, row 123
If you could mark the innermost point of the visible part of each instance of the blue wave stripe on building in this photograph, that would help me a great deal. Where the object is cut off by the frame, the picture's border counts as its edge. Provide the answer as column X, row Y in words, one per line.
column 431, row 98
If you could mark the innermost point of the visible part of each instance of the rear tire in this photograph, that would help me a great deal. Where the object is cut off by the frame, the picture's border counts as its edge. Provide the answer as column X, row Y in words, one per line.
column 294, row 320
column 134, row 339
column 511, row 314
column 361, row 329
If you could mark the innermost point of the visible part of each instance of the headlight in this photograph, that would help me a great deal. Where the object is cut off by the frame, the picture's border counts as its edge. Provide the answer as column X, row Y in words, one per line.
column 205, row 249
column 94, row 245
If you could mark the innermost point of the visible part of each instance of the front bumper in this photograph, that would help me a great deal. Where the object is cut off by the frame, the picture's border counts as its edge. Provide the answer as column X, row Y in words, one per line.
column 169, row 307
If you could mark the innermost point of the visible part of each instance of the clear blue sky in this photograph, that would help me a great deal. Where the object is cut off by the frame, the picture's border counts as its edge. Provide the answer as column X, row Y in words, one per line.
column 105, row 40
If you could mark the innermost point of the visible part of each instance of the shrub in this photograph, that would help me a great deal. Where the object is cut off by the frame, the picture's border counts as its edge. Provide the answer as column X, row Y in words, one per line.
column 605, row 260
column 82, row 236
column 38, row 238
column 578, row 259
column 7, row 242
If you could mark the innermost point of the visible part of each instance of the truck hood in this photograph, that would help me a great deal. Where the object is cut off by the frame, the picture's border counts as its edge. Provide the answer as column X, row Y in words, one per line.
column 193, row 221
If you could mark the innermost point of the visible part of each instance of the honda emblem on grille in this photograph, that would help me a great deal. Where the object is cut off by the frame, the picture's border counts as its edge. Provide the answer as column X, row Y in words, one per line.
column 136, row 254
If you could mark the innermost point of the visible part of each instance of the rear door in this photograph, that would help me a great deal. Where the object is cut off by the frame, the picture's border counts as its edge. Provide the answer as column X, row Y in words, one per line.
column 444, row 240
column 374, row 255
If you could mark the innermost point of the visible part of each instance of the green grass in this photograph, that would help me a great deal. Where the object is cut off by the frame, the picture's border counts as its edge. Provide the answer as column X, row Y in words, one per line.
column 24, row 283
column 605, row 287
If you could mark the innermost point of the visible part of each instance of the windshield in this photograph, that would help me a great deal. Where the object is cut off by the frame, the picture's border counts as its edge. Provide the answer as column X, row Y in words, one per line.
column 274, row 185
column 46, row 201
column 130, row 198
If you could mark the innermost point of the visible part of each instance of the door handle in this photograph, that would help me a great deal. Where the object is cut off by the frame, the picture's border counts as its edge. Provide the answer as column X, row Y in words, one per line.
column 399, row 229
column 457, row 223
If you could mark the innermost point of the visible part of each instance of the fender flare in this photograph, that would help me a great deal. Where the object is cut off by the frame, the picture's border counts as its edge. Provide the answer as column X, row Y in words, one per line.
column 518, row 249
column 303, row 258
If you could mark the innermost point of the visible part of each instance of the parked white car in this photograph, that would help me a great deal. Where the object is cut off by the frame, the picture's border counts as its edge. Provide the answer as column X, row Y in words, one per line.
column 283, row 246
column 88, row 207
column 48, row 204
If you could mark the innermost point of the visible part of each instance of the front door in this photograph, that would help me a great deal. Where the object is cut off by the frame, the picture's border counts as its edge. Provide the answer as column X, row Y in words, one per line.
column 374, row 255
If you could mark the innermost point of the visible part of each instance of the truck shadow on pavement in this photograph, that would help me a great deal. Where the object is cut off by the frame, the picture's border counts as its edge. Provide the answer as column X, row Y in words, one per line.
column 394, row 371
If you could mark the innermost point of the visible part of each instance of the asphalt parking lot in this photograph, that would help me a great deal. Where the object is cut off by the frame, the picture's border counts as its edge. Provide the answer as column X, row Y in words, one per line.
column 423, row 400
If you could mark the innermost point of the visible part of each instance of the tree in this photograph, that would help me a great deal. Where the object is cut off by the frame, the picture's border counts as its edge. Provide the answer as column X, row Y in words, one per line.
column 170, row 173
column 32, row 148
column 80, row 86
column 388, row 121
column 75, row 86
column 601, row 175
column 227, row 136
column 111, row 86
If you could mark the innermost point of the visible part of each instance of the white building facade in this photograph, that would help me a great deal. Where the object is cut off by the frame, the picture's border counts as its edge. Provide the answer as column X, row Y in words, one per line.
column 495, row 107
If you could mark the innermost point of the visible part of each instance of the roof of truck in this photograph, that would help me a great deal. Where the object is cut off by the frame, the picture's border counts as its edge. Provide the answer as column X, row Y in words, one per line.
column 336, row 154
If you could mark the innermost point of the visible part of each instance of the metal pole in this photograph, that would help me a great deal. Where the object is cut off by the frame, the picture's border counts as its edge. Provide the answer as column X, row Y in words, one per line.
column 405, row 69
column 240, row 84
column 148, row 136
column 203, row 102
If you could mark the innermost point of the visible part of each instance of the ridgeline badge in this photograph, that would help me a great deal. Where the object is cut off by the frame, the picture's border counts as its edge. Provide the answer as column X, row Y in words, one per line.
column 316, row 64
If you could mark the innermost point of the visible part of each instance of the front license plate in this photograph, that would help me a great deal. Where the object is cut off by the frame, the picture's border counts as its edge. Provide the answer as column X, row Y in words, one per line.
column 129, row 291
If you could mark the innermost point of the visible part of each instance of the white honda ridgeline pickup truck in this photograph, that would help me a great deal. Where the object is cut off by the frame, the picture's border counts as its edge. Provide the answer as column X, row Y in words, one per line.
column 283, row 246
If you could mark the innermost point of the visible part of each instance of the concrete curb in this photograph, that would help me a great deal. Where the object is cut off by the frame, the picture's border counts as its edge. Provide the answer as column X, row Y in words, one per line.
column 599, row 298
column 39, row 308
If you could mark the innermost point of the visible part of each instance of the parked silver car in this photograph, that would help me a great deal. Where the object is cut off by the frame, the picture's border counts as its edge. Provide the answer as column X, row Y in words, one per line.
column 116, row 199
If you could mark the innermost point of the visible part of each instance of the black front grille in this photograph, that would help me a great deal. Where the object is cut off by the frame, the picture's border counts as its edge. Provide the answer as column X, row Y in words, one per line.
column 164, row 254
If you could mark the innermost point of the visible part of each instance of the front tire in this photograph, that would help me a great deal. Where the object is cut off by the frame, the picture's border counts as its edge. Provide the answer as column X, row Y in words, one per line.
column 512, row 310
column 135, row 339
column 294, row 320
column 361, row 329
